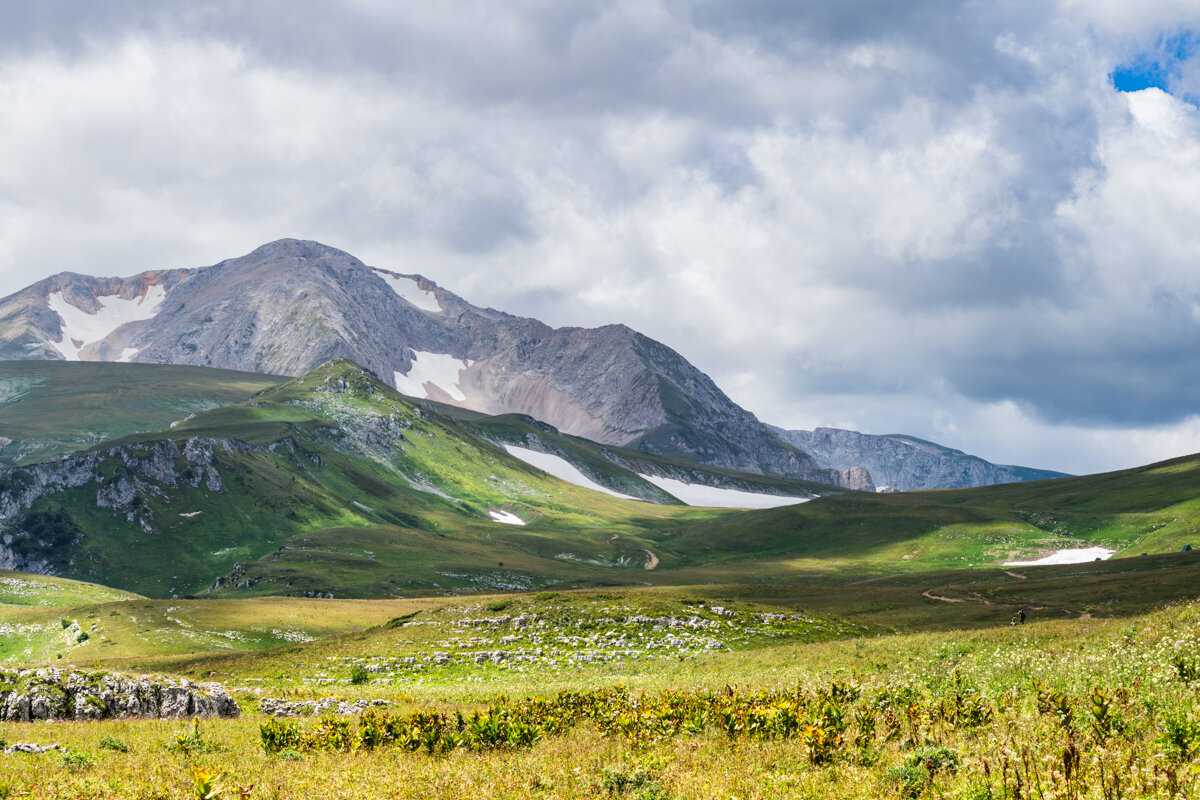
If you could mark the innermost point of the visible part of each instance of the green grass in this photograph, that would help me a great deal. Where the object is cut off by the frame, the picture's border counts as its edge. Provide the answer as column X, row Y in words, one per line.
column 329, row 475
column 23, row 589
column 1003, row 705
column 1151, row 509
column 49, row 408
column 176, row 634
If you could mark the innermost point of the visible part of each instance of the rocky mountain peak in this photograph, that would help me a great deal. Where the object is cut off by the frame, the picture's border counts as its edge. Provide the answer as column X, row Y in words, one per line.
column 293, row 304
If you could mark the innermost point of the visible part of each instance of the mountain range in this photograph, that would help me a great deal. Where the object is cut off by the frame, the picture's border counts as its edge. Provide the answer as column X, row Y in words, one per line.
column 905, row 463
column 291, row 305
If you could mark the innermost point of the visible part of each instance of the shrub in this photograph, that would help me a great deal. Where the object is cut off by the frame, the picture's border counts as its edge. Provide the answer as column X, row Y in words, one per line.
column 112, row 743
column 359, row 675
column 923, row 765
column 1180, row 736
column 190, row 742
column 277, row 736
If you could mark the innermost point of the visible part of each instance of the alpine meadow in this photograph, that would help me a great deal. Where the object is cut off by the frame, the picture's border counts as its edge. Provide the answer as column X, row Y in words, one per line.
column 714, row 400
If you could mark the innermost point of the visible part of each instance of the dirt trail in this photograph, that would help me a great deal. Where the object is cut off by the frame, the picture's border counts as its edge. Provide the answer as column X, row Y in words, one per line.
column 1016, row 575
column 651, row 559
column 929, row 593
column 975, row 596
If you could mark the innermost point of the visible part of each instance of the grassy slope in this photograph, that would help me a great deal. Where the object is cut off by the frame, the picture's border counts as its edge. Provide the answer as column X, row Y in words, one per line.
column 48, row 408
column 179, row 633
column 23, row 589
column 1149, row 509
column 327, row 504
column 361, row 528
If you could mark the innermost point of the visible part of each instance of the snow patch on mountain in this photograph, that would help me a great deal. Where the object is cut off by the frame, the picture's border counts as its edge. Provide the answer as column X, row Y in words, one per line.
column 697, row 494
column 409, row 290
column 506, row 517
column 1078, row 556
column 432, row 369
column 87, row 328
column 127, row 355
column 560, row 468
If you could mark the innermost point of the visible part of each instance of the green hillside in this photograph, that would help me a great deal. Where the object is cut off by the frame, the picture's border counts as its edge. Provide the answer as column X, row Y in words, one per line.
column 382, row 493
column 1153, row 509
column 41, row 591
column 335, row 484
column 48, row 408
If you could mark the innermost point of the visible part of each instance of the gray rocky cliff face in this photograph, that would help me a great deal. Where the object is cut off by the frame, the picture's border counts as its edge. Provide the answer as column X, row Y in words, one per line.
column 47, row 542
column 906, row 463
column 63, row 694
column 292, row 305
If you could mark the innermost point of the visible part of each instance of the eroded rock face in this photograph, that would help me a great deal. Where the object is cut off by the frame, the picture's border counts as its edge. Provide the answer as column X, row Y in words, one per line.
column 58, row 694
column 47, row 543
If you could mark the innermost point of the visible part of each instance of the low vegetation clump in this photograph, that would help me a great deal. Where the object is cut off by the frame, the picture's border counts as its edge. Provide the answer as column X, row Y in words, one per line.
column 1114, row 741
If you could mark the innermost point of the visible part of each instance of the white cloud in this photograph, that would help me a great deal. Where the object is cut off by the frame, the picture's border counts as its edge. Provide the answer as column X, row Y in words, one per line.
column 895, row 217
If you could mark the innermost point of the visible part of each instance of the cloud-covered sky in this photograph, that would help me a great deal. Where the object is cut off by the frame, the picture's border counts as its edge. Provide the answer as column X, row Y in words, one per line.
column 974, row 222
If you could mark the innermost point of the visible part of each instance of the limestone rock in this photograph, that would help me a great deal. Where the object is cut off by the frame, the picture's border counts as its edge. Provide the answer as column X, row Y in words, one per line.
column 52, row 694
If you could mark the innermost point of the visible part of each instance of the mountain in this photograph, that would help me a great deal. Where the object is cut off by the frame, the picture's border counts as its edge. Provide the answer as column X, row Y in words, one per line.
column 906, row 463
column 292, row 305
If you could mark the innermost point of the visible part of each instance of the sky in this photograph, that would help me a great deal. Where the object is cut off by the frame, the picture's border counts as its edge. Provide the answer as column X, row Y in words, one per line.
column 973, row 222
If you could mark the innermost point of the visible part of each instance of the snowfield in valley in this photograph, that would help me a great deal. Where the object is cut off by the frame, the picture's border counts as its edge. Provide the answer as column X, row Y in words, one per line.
column 1078, row 556
column 697, row 494
column 560, row 468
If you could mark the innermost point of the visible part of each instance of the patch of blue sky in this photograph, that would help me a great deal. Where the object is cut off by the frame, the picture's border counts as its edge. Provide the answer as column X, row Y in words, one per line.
column 1160, row 67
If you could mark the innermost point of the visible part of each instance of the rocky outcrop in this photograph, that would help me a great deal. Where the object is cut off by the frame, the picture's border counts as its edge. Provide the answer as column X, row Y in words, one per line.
column 291, row 305
column 905, row 463
column 62, row 694
column 46, row 541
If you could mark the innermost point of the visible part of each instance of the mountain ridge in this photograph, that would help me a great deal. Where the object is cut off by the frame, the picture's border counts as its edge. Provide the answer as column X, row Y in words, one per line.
column 907, row 463
column 291, row 305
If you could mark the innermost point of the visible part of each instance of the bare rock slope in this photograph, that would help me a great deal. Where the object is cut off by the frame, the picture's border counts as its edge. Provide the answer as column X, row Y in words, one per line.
column 905, row 463
column 292, row 305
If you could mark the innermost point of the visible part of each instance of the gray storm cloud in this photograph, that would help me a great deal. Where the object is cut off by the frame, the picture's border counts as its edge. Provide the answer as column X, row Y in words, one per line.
column 932, row 218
